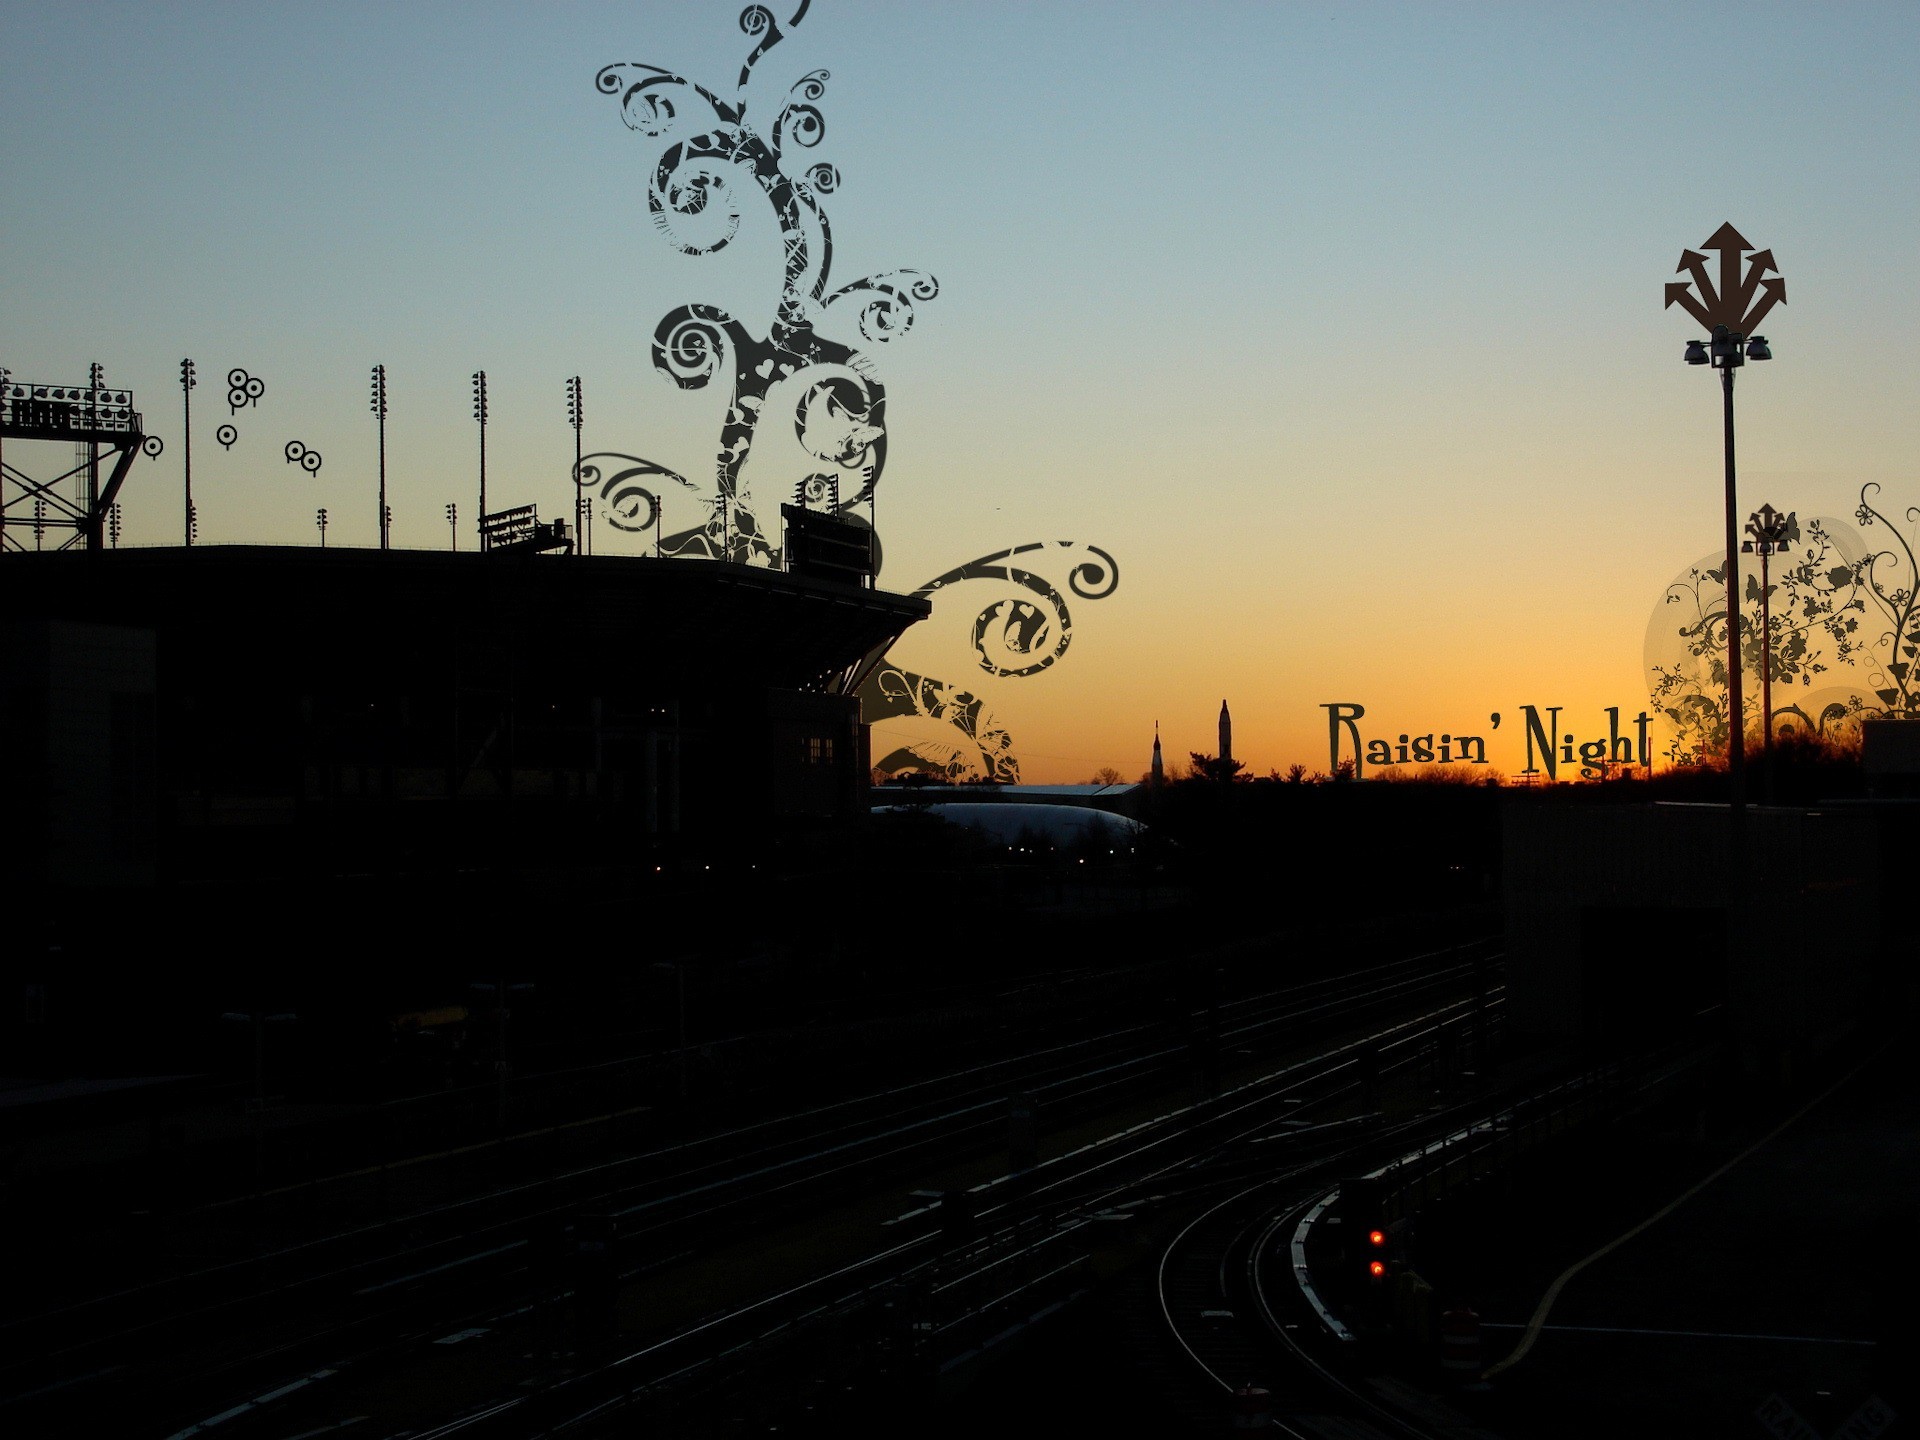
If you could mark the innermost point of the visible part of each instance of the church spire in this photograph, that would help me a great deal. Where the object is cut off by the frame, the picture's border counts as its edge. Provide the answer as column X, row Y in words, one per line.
column 1159, row 771
column 1226, row 734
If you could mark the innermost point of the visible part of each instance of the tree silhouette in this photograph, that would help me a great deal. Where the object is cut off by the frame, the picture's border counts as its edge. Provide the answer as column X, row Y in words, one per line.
column 1213, row 768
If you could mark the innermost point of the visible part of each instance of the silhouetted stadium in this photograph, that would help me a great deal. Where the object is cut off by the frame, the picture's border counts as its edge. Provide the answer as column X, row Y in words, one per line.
column 184, row 716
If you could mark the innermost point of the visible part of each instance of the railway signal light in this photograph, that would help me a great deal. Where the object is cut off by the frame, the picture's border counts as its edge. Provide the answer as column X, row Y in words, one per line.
column 1378, row 1263
column 1374, row 1248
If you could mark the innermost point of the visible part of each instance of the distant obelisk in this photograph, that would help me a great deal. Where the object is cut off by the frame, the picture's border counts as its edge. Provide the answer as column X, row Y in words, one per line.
column 1159, row 772
column 1226, row 734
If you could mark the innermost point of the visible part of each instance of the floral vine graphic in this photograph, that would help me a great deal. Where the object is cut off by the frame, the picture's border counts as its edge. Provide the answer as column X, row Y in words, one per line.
column 1816, row 599
column 838, row 406
column 1895, row 594
column 1012, row 637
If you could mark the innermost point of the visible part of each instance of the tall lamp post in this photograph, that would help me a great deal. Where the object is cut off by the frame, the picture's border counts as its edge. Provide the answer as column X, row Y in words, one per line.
column 480, row 414
column 1773, row 534
column 582, row 510
column 187, row 381
column 1747, row 291
column 96, row 381
column 380, row 413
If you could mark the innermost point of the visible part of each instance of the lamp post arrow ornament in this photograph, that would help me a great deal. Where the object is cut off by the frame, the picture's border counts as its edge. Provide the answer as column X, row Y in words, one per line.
column 1724, row 312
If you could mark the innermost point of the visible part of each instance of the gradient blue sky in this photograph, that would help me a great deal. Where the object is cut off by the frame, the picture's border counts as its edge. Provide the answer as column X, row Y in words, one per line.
column 1339, row 325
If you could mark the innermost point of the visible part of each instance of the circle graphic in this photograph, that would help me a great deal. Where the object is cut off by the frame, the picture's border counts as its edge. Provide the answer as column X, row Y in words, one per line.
column 243, row 389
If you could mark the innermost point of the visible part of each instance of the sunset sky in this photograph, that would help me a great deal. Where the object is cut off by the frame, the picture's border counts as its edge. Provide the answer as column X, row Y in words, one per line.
column 1339, row 326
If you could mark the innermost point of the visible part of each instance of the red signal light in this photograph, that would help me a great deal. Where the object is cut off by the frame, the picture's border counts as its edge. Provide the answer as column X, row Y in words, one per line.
column 1376, row 1238
column 1377, row 1269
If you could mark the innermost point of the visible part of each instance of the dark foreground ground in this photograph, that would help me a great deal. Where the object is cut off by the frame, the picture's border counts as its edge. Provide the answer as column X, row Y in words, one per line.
column 1781, row 1297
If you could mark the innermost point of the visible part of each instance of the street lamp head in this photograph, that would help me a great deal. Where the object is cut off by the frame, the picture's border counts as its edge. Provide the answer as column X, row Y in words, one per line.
column 1746, row 547
column 1757, row 348
column 1696, row 353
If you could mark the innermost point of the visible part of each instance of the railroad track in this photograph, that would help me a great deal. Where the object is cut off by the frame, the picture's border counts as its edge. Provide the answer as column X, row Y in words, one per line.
column 1028, row 1236
column 1237, row 1303
column 361, row 1288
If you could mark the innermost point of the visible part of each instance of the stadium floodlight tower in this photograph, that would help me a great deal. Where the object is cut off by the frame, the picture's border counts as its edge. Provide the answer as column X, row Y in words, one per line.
column 582, row 507
column 379, row 402
column 93, row 416
column 480, row 415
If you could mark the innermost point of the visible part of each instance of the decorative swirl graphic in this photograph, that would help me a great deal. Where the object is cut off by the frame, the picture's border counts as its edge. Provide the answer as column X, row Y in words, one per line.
column 834, row 421
column 627, row 503
column 800, row 121
column 970, row 743
column 821, row 490
column 689, row 344
column 758, row 20
column 646, row 105
column 694, row 197
column 886, row 308
column 1087, row 577
column 1008, row 634
column 693, row 181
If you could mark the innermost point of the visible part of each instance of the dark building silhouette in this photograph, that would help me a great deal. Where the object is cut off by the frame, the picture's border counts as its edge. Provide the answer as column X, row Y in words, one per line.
column 1640, row 923
column 178, row 717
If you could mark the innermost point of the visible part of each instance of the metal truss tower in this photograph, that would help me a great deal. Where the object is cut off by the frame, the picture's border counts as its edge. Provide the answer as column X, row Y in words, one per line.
column 101, row 422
